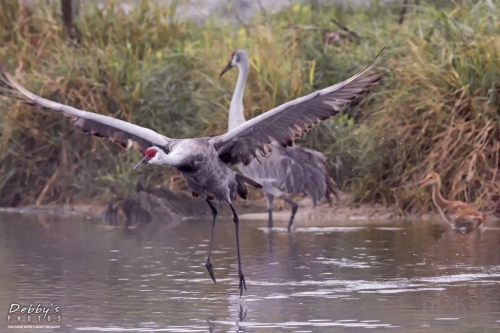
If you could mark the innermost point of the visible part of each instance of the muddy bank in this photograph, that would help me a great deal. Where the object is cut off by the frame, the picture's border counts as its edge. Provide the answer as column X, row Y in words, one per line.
column 339, row 213
column 166, row 206
column 146, row 204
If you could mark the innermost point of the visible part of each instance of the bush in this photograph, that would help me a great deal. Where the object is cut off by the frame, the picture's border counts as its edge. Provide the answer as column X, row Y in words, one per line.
column 436, row 110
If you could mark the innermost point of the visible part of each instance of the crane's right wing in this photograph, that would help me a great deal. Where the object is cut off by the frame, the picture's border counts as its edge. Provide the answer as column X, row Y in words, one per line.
column 289, row 121
column 121, row 132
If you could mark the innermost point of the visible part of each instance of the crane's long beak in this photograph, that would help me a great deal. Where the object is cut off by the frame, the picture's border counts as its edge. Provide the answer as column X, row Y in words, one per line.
column 228, row 67
column 143, row 162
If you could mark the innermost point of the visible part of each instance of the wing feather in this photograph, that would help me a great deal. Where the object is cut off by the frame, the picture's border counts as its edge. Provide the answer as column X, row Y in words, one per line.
column 316, row 181
column 294, row 170
column 121, row 132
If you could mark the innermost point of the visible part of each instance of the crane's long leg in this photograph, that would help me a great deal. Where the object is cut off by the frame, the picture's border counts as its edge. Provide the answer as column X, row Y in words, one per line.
column 270, row 199
column 236, row 221
column 293, row 206
column 208, row 265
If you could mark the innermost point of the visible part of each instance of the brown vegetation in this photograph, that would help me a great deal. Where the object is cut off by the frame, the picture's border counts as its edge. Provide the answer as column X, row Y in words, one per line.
column 437, row 110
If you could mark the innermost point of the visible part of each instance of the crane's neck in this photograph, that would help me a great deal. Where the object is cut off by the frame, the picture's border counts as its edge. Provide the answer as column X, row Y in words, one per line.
column 174, row 159
column 437, row 198
column 236, row 109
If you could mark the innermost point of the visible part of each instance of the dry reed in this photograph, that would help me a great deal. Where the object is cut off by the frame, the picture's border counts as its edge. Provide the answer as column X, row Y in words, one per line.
column 437, row 110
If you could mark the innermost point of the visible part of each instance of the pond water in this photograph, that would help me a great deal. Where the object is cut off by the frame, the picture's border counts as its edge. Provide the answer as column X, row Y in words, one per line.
column 399, row 278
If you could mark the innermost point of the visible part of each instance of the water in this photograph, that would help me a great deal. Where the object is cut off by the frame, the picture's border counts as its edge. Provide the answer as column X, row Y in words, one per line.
column 396, row 278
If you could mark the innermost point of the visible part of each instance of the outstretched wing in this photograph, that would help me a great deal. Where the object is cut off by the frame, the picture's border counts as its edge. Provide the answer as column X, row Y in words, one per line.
column 121, row 132
column 289, row 121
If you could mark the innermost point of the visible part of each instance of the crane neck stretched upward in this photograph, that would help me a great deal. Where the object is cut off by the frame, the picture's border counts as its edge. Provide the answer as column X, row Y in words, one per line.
column 236, row 109
column 437, row 198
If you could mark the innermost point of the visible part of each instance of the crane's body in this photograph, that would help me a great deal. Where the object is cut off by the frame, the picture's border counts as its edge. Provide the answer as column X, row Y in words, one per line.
column 205, row 174
column 204, row 162
column 292, row 170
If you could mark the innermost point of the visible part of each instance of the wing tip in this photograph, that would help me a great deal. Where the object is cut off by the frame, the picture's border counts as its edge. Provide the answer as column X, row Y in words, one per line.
column 380, row 52
column 373, row 64
column 3, row 69
column 4, row 75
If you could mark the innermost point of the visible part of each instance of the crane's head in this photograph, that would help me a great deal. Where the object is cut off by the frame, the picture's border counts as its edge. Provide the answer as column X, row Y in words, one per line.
column 151, row 156
column 237, row 58
column 431, row 179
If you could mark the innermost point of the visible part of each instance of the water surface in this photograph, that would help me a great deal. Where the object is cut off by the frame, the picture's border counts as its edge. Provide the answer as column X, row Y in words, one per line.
column 400, row 278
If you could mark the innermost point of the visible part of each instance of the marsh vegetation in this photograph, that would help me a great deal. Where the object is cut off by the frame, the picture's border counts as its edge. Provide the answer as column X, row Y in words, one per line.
column 436, row 110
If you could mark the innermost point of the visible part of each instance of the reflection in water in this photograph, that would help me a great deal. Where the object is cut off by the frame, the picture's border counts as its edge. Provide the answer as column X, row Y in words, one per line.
column 316, row 279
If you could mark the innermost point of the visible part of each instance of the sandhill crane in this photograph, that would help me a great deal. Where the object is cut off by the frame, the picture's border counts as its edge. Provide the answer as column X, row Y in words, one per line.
column 457, row 213
column 204, row 161
column 291, row 170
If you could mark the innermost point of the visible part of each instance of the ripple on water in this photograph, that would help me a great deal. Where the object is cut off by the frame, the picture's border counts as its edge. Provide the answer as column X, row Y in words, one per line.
column 447, row 319
column 392, row 286
column 461, row 277
column 389, row 228
column 289, row 324
column 343, row 262
column 142, row 329
column 315, row 229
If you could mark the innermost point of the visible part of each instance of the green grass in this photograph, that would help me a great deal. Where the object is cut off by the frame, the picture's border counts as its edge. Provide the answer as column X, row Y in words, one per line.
column 437, row 109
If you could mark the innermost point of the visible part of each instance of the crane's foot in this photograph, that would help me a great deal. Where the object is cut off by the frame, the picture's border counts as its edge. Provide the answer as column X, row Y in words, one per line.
column 210, row 270
column 270, row 219
column 243, row 284
column 294, row 207
column 291, row 221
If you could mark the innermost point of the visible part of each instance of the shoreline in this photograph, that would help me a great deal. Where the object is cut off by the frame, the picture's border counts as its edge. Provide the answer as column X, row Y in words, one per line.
column 321, row 216
column 341, row 213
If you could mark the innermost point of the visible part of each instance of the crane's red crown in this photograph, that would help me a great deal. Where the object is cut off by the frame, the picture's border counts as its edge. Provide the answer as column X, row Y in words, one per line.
column 232, row 54
column 150, row 153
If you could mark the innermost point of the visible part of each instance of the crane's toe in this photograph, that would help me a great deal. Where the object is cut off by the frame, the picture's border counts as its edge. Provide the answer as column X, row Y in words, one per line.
column 243, row 284
column 210, row 270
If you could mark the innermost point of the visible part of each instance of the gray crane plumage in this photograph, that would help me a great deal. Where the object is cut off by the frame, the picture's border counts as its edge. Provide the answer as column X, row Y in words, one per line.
column 204, row 162
column 290, row 170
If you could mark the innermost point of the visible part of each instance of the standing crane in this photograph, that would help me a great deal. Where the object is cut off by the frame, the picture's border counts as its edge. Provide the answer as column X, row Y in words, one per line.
column 290, row 170
column 204, row 162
